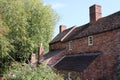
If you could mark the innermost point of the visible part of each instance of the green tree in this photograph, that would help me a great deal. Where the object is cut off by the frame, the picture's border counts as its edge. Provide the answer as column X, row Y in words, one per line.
column 4, row 46
column 30, row 23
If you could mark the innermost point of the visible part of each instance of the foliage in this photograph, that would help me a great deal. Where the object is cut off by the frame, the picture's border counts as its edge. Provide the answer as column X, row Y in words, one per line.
column 23, row 71
column 4, row 46
column 30, row 23
column 78, row 78
column 118, row 78
column 3, row 40
column 103, row 78
column 24, row 24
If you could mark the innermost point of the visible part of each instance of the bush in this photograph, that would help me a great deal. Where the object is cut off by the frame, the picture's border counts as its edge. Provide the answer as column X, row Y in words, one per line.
column 103, row 78
column 118, row 77
column 23, row 71
column 78, row 78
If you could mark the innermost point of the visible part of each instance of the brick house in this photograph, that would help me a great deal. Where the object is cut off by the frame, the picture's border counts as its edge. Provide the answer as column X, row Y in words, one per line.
column 90, row 51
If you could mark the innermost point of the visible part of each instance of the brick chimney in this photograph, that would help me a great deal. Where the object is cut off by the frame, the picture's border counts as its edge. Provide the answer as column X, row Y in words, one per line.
column 95, row 13
column 62, row 28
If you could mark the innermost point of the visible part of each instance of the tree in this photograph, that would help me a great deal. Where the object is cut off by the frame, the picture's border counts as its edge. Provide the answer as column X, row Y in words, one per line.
column 30, row 23
column 4, row 46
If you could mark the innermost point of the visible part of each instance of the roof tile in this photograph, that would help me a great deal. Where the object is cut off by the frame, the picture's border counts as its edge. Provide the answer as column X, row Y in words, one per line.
column 104, row 24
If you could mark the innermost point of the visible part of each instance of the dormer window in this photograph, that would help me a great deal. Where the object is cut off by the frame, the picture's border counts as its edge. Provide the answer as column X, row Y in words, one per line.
column 90, row 40
column 70, row 45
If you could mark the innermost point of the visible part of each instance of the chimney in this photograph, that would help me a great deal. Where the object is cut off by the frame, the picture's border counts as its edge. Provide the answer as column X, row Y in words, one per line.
column 62, row 28
column 95, row 13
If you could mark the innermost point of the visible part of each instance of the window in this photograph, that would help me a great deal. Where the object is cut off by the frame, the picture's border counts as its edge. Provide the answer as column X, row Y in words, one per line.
column 70, row 45
column 90, row 40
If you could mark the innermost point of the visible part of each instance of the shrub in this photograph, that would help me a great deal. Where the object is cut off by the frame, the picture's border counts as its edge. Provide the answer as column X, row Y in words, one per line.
column 118, row 77
column 23, row 71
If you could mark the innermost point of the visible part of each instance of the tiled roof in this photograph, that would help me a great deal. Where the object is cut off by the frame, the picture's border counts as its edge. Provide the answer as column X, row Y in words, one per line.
column 104, row 24
column 60, row 36
column 76, row 31
column 52, row 53
column 77, row 62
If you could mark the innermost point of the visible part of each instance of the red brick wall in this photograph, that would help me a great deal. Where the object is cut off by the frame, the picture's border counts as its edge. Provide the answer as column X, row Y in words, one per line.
column 55, row 46
column 104, row 65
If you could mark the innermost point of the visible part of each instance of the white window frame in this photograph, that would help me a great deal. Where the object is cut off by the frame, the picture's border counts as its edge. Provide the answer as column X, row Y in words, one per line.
column 90, row 40
column 70, row 45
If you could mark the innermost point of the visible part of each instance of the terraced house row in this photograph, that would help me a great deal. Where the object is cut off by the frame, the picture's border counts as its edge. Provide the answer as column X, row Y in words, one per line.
column 90, row 51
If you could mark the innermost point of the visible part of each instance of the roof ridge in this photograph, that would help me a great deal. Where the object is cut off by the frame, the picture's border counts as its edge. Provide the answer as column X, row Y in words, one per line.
column 115, row 13
column 68, row 33
column 103, row 24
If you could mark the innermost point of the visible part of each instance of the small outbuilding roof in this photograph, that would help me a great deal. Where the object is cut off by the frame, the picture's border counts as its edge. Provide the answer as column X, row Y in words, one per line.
column 76, row 62
column 52, row 53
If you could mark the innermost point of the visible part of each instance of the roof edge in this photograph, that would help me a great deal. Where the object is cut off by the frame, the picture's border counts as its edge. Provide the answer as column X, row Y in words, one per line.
column 78, row 54
column 59, row 60
column 68, row 33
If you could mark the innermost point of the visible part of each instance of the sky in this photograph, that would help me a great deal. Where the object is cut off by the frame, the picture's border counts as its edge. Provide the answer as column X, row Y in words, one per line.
column 76, row 12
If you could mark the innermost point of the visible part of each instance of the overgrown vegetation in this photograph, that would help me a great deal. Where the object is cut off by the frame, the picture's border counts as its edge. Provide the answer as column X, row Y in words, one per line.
column 27, row 23
column 118, row 78
column 23, row 71
column 24, row 24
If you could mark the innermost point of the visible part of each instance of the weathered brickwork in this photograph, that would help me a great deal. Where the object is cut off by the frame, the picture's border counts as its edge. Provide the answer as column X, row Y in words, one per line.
column 105, row 32
column 103, row 66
